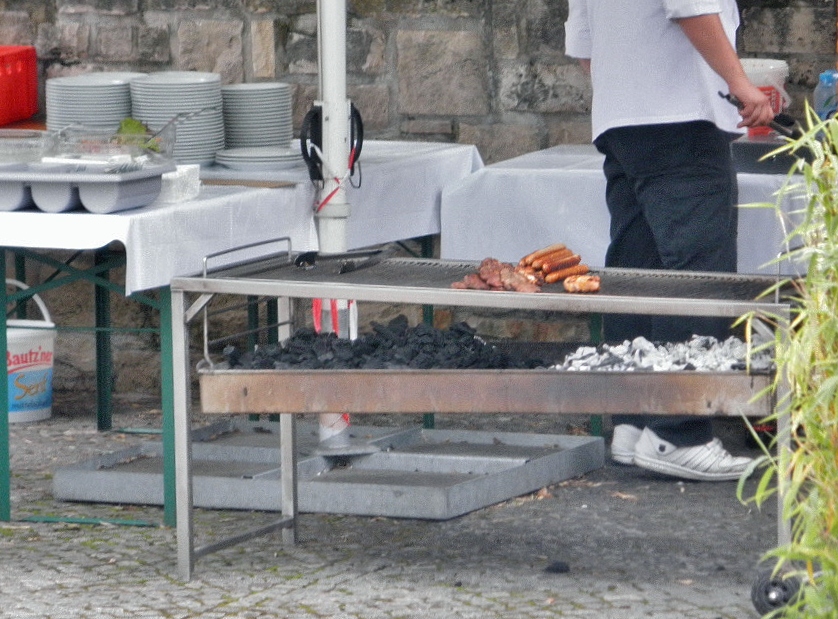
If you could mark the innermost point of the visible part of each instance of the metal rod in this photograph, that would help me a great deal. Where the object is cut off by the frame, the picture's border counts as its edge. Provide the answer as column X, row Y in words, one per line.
column 181, row 406
column 243, row 537
column 288, row 475
column 331, row 218
column 233, row 250
column 91, row 521
column 167, row 405
column 5, row 465
column 104, row 353
column 270, row 327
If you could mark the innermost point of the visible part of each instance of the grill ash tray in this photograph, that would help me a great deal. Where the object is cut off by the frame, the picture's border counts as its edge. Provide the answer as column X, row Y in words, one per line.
column 730, row 393
column 415, row 473
column 57, row 188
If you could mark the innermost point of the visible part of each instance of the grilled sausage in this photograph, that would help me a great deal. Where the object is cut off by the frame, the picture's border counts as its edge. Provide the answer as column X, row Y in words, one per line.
column 557, row 264
column 555, row 276
column 539, row 263
column 529, row 258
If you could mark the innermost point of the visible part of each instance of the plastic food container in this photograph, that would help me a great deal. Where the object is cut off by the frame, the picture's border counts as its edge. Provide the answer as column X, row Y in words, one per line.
column 57, row 188
column 24, row 145
column 18, row 83
column 88, row 145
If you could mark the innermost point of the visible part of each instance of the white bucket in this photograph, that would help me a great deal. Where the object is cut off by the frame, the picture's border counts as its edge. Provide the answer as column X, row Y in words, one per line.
column 30, row 349
column 770, row 76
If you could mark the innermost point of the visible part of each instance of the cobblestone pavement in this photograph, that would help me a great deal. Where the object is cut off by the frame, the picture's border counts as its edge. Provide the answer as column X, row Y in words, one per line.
column 634, row 545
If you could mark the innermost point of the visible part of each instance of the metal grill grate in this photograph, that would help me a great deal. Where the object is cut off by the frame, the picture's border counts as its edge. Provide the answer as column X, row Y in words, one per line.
column 429, row 273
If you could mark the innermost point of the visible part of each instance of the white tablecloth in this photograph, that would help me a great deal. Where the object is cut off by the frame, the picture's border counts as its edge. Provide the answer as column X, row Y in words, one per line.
column 513, row 207
column 399, row 198
column 398, row 192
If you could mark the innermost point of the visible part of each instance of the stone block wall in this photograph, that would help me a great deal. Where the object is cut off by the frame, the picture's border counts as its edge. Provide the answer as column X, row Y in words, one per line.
column 486, row 72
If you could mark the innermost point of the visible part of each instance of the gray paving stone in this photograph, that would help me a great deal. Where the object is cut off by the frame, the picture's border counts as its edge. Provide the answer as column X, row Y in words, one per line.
column 637, row 545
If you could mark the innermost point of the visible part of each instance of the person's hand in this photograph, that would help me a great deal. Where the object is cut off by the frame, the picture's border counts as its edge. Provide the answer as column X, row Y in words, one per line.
column 755, row 106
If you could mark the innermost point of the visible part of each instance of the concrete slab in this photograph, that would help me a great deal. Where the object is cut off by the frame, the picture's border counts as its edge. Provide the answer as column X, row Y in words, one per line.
column 415, row 473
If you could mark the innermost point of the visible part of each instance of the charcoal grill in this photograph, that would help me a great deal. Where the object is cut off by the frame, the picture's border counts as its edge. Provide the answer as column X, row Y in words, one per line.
column 428, row 281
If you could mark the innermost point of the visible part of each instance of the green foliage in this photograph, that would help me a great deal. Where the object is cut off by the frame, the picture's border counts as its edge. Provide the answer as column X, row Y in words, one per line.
column 805, row 467
column 133, row 131
column 132, row 126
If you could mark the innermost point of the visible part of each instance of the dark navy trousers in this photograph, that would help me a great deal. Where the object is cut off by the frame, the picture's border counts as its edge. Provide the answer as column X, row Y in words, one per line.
column 672, row 195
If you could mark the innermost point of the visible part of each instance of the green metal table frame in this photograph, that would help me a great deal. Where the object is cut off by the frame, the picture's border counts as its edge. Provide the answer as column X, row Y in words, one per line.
column 98, row 274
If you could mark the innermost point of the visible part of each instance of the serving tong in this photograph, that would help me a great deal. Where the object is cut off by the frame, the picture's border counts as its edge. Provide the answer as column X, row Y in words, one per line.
column 782, row 123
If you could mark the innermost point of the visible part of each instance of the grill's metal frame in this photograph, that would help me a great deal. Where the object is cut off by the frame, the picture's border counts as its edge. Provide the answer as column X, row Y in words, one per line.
column 558, row 392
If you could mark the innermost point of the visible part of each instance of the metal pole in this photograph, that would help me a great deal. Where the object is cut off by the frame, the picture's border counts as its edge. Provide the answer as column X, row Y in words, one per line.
column 332, row 216
column 333, row 213
column 181, row 404
column 104, row 354
column 5, row 467
column 167, row 404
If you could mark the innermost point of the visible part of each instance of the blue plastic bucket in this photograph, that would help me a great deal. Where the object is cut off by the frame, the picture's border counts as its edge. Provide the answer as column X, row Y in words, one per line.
column 29, row 355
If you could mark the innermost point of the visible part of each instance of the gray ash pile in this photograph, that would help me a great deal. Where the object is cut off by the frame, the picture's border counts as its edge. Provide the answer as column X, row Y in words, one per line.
column 701, row 353
column 394, row 345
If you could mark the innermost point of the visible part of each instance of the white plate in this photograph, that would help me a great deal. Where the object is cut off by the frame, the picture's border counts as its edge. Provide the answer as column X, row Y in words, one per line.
column 180, row 77
column 260, row 167
column 255, row 90
column 103, row 78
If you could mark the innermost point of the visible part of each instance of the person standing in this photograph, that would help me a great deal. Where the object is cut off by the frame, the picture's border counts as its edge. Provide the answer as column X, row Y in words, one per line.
column 657, row 68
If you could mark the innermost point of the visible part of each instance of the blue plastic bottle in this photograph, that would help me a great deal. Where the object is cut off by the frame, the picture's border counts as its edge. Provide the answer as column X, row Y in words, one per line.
column 824, row 97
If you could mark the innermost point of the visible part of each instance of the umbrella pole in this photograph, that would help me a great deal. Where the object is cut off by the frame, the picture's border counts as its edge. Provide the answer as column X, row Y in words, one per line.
column 333, row 211
column 331, row 217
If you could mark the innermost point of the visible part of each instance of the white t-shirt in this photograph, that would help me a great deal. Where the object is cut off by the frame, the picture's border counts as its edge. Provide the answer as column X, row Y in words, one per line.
column 644, row 70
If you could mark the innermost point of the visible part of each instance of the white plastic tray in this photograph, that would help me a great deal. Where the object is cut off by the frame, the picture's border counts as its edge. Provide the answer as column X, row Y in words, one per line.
column 56, row 188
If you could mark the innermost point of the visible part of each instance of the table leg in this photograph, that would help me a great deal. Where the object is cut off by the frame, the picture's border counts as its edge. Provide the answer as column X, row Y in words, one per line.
column 181, row 403
column 272, row 318
column 104, row 353
column 5, row 468
column 288, row 481
column 167, row 395
column 427, row 245
column 20, row 275
column 252, row 322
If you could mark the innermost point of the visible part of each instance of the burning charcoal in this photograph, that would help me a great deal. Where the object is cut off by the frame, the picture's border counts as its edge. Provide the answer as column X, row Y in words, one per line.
column 462, row 331
column 371, row 363
column 450, row 351
column 343, row 350
column 246, row 360
column 393, row 330
column 423, row 361
column 305, row 334
column 403, row 357
column 394, row 345
column 232, row 355
column 399, row 324
column 262, row 362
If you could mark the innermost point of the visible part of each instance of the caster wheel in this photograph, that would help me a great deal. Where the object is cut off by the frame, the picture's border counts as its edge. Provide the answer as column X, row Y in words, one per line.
column 772, row 591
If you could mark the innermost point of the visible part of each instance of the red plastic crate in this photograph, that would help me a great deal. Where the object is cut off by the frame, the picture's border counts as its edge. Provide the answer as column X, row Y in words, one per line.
column 18, row 83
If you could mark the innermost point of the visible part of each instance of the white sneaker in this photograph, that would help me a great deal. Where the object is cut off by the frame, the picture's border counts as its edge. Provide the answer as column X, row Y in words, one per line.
column 623, row 443
column 710, row 462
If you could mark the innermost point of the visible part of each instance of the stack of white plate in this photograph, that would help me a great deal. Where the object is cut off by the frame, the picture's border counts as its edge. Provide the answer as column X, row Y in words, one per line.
column 259, row 157
column 95, row 100
column 193, row 101
column 257, row 114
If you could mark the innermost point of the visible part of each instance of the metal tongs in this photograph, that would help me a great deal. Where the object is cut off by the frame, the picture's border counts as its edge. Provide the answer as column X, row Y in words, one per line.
column 783, row 124
column 347, row 262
